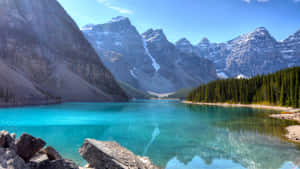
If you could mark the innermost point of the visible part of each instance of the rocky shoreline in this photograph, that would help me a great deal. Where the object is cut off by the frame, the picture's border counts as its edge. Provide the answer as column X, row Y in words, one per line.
column 28, row 152
column 277, row 108
column 293, row 114
column 293, row 132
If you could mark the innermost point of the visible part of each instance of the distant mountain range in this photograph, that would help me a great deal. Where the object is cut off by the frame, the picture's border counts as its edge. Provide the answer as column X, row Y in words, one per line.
column 147, row 61
column 44, row 55
column 150, row 62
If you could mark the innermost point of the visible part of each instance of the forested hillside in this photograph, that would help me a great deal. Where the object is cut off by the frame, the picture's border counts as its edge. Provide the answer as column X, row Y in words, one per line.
column 280, row 88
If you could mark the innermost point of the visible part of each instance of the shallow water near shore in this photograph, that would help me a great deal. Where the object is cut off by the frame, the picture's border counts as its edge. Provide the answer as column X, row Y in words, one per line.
column 174, row 135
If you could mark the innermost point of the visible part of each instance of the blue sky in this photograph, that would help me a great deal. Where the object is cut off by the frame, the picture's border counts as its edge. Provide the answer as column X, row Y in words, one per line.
column 218, row 20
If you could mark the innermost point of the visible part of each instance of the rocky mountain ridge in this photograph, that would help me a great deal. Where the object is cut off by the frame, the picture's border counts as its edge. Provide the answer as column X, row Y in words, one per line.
column 157, row 65
column 251, row 54
column 146, row 61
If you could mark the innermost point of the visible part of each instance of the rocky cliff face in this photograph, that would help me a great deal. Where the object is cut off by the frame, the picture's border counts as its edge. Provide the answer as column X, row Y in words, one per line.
column 44, row 53
column 290, row 49
column 254, row 53
column 149, row 61
column 251, row 54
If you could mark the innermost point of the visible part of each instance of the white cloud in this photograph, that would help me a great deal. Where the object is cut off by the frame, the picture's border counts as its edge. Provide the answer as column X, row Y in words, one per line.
column 114, row 7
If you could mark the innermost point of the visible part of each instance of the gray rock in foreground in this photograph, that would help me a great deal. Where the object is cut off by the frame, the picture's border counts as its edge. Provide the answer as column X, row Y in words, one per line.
column 7, row 140
column 112, row 155
column 10, row 160
column 27, row 152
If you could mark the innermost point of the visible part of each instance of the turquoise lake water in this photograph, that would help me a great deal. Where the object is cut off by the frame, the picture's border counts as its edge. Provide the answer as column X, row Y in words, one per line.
column 172, row 134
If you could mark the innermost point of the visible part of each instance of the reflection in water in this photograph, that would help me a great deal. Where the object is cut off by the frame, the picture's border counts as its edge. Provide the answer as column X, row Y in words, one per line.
column 183, row 136
column 197, row 163
column 155, row 133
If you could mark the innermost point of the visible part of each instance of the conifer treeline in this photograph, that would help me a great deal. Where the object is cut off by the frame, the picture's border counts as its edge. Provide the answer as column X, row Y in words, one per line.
column 280, row 88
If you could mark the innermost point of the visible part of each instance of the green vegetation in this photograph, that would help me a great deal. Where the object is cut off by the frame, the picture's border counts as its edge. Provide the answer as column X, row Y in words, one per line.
column 280, row 88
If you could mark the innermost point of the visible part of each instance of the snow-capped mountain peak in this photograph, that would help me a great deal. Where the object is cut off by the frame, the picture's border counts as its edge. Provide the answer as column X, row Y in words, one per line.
column 119, row 19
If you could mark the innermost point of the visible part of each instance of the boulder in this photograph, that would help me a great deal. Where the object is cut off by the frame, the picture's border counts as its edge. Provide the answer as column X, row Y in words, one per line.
column 52, row 153
column 6, row 140
column 112, row 155
column 39, row 157
column 10, row 160
column 27, row 146
column 56, row 164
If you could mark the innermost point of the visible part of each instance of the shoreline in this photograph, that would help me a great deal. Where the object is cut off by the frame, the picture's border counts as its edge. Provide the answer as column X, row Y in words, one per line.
column 277, row 108
column 293, row 132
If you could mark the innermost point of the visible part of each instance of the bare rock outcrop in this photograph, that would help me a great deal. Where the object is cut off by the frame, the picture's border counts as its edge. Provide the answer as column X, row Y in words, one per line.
column 10, row 160
column 26, row 153
column 28, row 146
column 112, row 155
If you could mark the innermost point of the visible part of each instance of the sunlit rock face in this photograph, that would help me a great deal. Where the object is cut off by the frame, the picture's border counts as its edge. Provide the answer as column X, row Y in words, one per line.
column 40, row 44
column 290, row 49
column 149, row 61
column 251, row 54
column 254, row 53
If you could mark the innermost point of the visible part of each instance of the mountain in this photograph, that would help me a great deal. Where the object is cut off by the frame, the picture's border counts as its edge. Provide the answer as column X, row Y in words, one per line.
column 148, row 61
column 251, row 54
column 254, row 53
column 44, row 54
column 290, row 49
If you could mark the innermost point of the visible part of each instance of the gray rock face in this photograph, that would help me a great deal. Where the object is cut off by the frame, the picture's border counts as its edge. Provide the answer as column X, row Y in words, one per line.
column 43, row 55
column 147, row 62
column 27, row 146
column 251, row 54
column 112, row 155
column 56, row 164
column 24, row 153
column 254, row 53
column 10, row 160
column 290, row 49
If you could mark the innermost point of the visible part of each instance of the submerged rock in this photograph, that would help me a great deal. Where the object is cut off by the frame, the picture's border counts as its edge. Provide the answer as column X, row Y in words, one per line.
column 112, row 155
column 28, row 146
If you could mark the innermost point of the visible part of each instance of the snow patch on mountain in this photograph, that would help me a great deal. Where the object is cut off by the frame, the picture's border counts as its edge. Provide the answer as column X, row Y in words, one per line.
column 133, row 74
column 155, row 65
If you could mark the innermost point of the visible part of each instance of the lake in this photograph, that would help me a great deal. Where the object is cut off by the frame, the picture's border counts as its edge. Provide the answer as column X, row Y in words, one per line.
column 172, row 134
